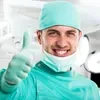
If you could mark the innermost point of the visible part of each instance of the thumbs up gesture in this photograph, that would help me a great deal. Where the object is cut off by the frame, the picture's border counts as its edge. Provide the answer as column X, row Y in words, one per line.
column 21, row 64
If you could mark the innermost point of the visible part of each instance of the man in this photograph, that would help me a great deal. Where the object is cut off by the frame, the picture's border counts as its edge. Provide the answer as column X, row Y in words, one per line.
column 52, row 78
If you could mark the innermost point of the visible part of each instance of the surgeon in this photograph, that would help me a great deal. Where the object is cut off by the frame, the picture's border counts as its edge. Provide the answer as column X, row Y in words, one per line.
column 53, row 77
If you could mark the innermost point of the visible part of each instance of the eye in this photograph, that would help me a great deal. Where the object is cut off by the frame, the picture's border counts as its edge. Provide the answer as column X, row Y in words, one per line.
column 53, row 33
column 71, row 33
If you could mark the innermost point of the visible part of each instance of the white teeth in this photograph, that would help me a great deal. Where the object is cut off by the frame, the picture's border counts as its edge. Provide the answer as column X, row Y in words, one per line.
column 60, row 52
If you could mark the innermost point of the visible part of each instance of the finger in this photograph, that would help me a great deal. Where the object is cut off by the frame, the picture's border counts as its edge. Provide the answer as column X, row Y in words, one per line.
column 22, row 74
column 27, row 40
column 28, row 60
column 26, row 68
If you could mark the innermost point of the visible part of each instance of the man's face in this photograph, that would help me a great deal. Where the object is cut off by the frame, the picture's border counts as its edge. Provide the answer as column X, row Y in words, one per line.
column 60, row 41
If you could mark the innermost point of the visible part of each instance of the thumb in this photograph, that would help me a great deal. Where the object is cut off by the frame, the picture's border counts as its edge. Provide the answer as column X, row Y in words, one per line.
column 27, row 40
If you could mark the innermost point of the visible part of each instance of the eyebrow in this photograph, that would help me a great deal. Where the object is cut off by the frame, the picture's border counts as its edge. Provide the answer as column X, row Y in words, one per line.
column 71, row 30
column 52, row 30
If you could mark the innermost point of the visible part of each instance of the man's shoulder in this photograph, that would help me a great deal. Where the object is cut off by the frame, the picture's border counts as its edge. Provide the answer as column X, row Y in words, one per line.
column 85, row 80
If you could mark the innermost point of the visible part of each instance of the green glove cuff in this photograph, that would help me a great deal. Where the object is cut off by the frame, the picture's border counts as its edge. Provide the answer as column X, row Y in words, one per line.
column 5, row 87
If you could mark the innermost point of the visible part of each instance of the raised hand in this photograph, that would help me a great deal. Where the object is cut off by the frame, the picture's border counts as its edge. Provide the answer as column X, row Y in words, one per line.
column 21, row 64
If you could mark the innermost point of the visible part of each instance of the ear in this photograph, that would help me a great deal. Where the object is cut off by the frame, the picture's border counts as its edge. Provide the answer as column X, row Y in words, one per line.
column 80, row 35
column 39, row 34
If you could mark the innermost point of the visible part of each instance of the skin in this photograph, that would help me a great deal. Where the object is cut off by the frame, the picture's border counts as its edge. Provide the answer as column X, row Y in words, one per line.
column 60, row 41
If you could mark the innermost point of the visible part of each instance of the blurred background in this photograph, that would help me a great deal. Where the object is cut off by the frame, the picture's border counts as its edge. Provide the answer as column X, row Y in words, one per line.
column 18, row 16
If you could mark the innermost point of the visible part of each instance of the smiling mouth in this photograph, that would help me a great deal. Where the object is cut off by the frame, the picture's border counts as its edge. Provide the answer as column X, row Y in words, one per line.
column 61, row 53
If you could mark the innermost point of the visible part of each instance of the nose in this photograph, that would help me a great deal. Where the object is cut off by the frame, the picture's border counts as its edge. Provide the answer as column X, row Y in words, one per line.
column 62, row 42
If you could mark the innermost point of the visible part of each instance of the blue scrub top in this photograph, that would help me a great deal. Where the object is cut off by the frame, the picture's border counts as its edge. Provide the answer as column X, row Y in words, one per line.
column 43, row 83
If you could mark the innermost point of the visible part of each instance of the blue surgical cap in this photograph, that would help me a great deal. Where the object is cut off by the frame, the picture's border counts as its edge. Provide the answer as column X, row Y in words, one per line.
column 59, row 13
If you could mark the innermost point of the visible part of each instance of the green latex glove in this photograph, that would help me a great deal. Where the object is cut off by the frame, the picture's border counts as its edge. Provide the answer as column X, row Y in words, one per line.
column 20, row 65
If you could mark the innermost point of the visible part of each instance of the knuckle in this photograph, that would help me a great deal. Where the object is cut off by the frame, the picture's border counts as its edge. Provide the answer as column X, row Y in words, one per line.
column 22, row 75
column 25, row 75
column 15, row 57
column 27, row 69
column 11, row 63
column 17, row 80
